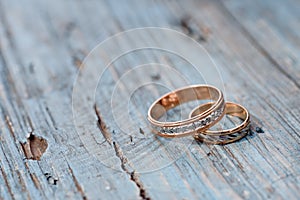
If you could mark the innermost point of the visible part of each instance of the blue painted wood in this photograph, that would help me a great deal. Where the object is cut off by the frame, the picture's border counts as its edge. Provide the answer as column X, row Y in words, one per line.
column 42, row 45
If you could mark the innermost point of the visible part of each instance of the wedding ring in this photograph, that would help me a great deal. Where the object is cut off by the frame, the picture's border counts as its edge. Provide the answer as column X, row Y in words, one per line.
column 227, row 135
column 222, row 139
column 199, row 122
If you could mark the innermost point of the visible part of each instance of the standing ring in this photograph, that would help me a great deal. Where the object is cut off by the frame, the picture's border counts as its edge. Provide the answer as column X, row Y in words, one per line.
column 198, row 123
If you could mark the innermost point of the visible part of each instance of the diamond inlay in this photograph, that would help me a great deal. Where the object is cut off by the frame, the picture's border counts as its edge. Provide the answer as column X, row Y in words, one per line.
column 192, row 126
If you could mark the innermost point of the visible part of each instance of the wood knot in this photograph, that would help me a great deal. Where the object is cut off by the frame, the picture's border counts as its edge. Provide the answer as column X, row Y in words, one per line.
column 34, row 147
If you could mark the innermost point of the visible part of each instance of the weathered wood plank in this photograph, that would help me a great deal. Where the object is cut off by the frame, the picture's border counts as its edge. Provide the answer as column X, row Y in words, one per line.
column 42, row 45
column 273, row 33
column 46, row 71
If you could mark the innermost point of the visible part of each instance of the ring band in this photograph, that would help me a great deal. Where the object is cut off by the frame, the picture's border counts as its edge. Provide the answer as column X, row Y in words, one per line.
column 199, row 122
column 227, row 135
column 222, row 139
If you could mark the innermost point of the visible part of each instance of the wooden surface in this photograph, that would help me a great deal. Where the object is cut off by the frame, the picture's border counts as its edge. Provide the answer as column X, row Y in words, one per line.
column 109, row 153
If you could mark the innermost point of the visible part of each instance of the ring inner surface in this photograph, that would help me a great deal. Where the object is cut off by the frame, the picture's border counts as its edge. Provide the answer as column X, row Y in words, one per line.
column 182, row 96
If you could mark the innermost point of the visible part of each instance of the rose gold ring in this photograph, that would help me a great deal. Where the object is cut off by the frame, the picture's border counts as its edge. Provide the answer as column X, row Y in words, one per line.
column 199, row 122
column 227, row 135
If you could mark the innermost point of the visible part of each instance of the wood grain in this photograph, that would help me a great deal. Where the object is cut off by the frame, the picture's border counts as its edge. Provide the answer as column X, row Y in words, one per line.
column 111, row 153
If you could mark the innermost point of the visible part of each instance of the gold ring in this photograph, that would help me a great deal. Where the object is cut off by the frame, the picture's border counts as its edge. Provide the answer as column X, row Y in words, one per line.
column 199, row 122
column 222, row 139
column 227, row 135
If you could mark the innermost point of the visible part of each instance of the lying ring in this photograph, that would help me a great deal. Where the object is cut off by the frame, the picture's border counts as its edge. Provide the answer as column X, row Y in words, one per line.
column 199, row 122
column 227, row 135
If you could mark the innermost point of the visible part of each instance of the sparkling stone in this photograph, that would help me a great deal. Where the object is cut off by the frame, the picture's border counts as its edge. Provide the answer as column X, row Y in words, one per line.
column 213, row 114
column 198, row 124
column 191, row 126
column 181, row 129
column 185, row 128
column 162, row 130
column 208, row 119
column 168, row 130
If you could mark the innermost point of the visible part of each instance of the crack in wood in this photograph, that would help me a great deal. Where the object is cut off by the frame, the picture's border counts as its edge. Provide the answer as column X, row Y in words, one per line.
column 119, row 153
column 10, row 127
column 50, row 115
column 35, row 180
column 135, row 179
column 133, row 176
column 78, row 186
column 239, row 164
column 7, row 182
column 21, row 181
column 102, row 126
